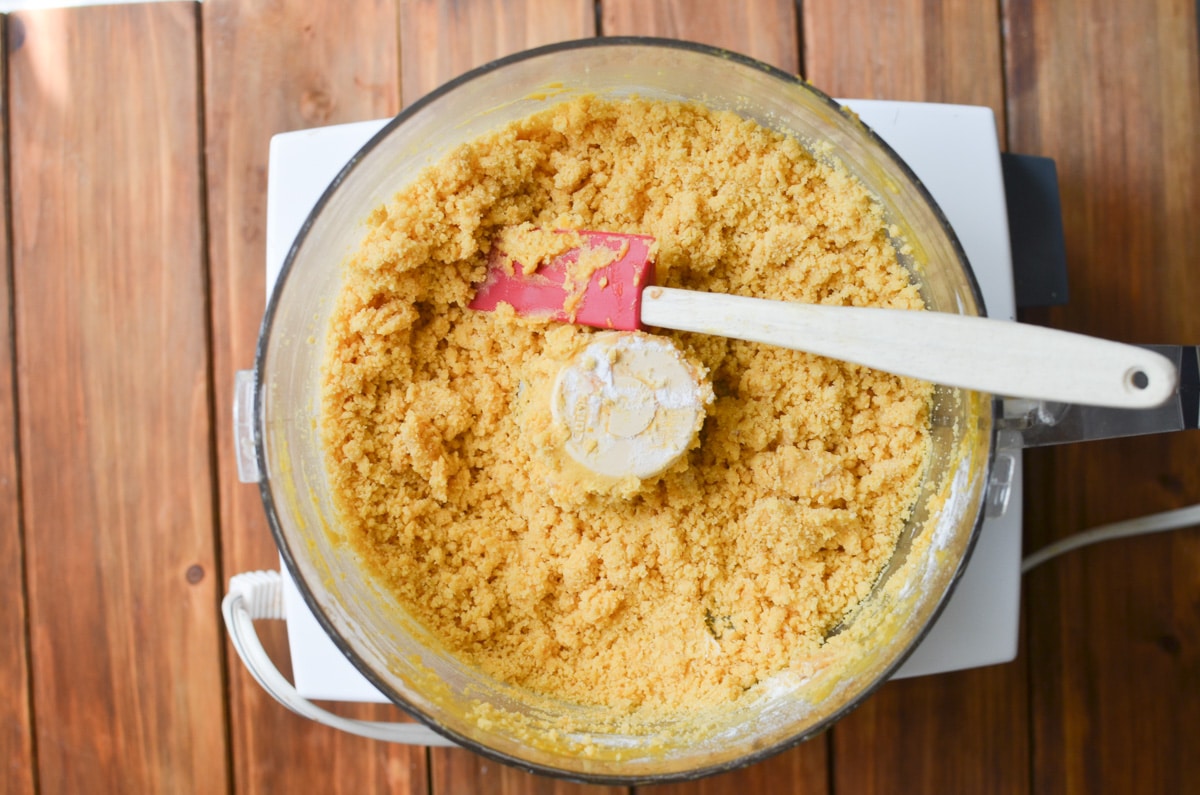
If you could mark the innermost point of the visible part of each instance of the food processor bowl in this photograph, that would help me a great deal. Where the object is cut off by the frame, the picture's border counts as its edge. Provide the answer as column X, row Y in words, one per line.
column 400, row 657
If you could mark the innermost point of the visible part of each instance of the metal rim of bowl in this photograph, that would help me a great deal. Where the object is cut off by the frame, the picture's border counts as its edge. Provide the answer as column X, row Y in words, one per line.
column 260, row 447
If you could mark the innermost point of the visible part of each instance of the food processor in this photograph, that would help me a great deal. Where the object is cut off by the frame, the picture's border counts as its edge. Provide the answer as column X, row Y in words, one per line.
column 396, row 655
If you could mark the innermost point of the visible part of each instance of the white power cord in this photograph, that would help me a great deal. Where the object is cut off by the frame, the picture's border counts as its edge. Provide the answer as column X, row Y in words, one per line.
column 1155, row 523
column 259, row 594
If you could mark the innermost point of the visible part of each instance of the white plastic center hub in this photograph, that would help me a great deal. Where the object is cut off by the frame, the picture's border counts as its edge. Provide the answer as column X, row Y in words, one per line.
column 632, row 404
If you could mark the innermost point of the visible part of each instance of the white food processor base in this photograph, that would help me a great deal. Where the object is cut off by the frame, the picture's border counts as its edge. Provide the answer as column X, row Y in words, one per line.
column 954, row 150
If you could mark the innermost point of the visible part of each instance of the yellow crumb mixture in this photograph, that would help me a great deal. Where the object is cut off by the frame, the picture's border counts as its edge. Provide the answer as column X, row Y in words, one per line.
column 728, row 568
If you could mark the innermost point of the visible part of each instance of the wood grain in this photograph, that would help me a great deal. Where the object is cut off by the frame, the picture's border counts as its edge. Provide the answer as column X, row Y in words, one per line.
column 762, row 29
column 455, row 770
column 910, row 50
column 16, row 727
column 108, row 265
column 441, row 39
column 966, row 731
column 799, row 771
column 272, row 67
column 957, row 732
column 1112, row 92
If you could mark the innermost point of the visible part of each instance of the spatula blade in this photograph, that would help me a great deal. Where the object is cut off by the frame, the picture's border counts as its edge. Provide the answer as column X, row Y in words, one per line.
column 598, row 284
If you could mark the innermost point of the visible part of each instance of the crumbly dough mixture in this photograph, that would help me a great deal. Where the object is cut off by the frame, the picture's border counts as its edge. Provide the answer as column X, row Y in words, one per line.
column 731, row 566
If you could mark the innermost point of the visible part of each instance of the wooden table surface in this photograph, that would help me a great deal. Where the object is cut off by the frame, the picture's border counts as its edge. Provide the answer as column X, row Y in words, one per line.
column 134, row 179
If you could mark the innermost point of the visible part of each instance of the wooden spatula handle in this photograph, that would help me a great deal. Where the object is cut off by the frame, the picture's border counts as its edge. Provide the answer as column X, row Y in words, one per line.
column 996, row 356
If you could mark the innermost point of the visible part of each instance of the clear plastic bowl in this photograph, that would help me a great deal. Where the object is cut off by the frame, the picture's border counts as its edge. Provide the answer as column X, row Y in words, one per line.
column 401, row 658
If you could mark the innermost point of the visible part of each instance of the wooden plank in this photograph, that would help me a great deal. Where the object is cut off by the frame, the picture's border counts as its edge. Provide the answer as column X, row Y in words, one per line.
column 800, row 771
column 108, row 261
column 441, row 39
column 16, row 727
column 957, row 732
column 766, row 30
column 455, row 770
column 966, row 731
column 908, row 50
column 1113, row 95
column 762, row 29
column 272, row 67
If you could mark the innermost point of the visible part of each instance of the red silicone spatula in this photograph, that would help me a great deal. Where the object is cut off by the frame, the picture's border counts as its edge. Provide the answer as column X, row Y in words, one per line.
column 995, row 356
column 567, row 289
